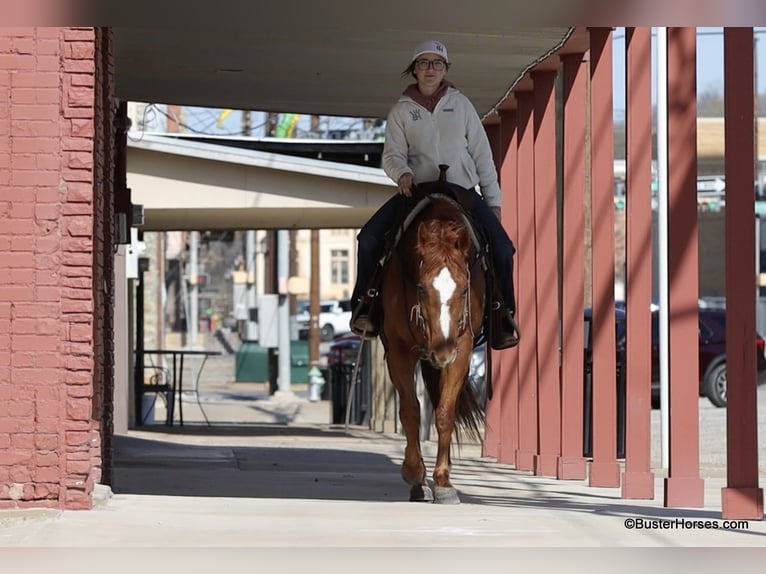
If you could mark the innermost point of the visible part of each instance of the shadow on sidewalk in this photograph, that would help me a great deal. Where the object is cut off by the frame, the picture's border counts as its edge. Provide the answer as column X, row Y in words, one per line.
column 168, row 468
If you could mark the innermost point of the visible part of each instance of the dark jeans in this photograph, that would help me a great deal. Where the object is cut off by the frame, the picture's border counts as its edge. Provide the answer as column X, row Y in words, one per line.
column 371, row 241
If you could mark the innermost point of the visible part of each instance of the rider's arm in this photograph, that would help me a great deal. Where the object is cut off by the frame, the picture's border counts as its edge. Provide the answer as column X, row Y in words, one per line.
column 481, row 153
column 395, row 147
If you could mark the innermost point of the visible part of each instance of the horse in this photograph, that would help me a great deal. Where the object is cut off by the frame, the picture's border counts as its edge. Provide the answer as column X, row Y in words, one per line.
column 432, row 299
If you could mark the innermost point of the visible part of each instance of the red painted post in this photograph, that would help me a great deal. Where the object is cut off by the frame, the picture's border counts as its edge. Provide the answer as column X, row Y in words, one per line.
column 508, row 360
column 742, row 498
column 490, row 444
column 683, row 487
column 571, row 463
column 604, row 470
column 527, row 303
column 546, row 286
column 638, row 480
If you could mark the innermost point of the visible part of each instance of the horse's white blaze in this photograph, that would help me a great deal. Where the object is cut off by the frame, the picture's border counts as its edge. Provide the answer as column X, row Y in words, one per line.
column 445, row 286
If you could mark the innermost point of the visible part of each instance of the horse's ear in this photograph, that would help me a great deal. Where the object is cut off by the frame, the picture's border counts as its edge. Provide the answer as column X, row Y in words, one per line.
column 463, row 241
column 423, row 233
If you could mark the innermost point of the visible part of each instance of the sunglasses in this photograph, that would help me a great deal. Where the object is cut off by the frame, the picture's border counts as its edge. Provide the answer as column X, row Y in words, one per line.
column 437, row 65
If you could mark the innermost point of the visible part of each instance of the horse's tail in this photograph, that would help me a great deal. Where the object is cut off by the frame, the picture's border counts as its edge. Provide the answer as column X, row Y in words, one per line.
column 469, row 414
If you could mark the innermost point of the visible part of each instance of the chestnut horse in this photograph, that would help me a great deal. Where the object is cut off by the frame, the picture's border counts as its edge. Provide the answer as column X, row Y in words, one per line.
column 432, row 301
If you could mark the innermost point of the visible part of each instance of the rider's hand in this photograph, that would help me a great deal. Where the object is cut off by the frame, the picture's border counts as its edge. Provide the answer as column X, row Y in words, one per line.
column 496, row 211
column 405, row 184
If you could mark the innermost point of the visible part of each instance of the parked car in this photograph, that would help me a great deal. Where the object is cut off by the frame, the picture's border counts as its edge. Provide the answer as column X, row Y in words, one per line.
column 334, row 319
column 712, row 352
column 712, row 356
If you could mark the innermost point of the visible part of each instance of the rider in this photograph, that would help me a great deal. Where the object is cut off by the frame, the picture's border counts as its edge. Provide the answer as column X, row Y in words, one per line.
column 433, row 123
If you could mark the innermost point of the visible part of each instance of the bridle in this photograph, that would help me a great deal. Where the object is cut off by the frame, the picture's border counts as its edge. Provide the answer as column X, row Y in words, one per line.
column 417, row 320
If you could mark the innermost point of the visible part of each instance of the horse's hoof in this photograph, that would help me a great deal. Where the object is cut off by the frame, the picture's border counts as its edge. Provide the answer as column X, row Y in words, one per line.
column 421, row 493
column 446, row 495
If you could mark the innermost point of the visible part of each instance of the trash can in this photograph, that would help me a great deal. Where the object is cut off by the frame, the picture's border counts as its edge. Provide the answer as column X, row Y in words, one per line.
column 340, row 377
column 251, row 363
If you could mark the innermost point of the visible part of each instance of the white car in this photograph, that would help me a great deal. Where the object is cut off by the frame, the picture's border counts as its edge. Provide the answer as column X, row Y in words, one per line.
column 334, row 319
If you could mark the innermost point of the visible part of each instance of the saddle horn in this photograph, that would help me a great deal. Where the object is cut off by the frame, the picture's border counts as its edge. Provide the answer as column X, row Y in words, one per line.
column 443, row 173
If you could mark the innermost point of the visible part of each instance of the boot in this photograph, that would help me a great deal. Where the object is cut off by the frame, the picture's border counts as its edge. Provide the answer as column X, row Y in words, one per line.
column 505, row 330
column 362, row 323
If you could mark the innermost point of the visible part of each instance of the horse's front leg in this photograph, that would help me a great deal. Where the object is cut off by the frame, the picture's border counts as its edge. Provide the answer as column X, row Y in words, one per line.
column 413, row 467
column 445, row 414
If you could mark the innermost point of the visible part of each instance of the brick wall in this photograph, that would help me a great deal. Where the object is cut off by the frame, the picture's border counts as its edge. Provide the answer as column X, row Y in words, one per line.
column 52, row 201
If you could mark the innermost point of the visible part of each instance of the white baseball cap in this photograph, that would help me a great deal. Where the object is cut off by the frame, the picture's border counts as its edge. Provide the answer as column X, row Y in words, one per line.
column 430, row 47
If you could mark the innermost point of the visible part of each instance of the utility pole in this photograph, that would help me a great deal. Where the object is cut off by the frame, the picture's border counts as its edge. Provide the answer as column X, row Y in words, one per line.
column 314, row 301
column 247, row 127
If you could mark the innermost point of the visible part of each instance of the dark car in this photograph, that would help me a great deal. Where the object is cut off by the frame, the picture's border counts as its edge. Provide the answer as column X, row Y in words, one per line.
column 712, row 356
column 712, row 352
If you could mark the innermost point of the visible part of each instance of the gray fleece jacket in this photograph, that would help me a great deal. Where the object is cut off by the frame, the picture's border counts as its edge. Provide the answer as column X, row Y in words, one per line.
column 417, row 141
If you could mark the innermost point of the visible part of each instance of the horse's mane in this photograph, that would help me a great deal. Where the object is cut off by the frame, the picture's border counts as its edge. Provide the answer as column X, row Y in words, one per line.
column 442, row 241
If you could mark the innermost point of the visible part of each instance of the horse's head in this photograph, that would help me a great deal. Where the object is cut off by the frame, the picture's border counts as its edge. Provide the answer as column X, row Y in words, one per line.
column 443, row 287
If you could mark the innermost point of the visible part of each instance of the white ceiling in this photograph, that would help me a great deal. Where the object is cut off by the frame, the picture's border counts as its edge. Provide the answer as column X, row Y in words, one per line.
column 329, row 57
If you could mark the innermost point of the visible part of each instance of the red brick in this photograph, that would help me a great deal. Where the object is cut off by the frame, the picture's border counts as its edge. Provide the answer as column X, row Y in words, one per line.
column 80, row 363
column 34, row 128
column 79, row 66
column 14, row 293
column 24, row 327
column 79, row 160
column 72, row 271
column 35, row 79
column 70, row 174
column 22, row 210
column 78, row 378
column 77, row 245
column 24, row 161
column 50, row 194
column 35, row 145
column 79, row 409
column 80, row 50
column 35, row 178
column 45, row 360
column 47, row 409
column 5, row 443
column 81, row 128
column 33, row 342
column 10, row 425
column 77, row 259
column 17, row 62
column 47, row 441
column 19, row 474
column 80, row 333
column 35, row 112
column 15, row 260
column 15, row 456
column 22, row 360
column 47, row 293
column 24, row 243
column 75, row 438
column 80, row 96
column 77, row 143
column 36, row 310
column 50, row 63
column 49, row 244
column 80, row 391
column 16, row 227
column 79, row 192
column 45, row 490
column 83, row 80
column 25, row 43
column 79, row 34
column 23, row 277
column 21, row 409
column 43, row 459
column 48, row 211
column 21, row 96
column 47, row 161
column 46, row 474
column 46, row 279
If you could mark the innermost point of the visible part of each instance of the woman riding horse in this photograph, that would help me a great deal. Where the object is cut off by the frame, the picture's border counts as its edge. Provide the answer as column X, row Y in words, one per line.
column 433, row 124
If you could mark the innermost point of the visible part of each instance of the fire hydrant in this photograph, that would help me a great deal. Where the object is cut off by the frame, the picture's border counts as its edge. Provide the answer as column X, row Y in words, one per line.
column 316, row 383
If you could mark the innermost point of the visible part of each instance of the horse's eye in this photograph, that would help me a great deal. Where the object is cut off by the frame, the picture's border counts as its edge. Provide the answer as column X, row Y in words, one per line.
column 421, row 289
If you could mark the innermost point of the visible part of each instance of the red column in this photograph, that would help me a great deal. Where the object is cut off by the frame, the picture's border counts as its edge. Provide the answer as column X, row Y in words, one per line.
column 491, row 441
column 742, row 498
column 507, row 361
column 571, row 464
column 546, row 285
column 604, row 470
column 638, row 481
column 683, row 487
column 526, row 301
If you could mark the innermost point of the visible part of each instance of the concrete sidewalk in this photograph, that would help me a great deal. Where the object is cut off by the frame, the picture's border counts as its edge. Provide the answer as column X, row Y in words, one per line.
column 273, row 473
